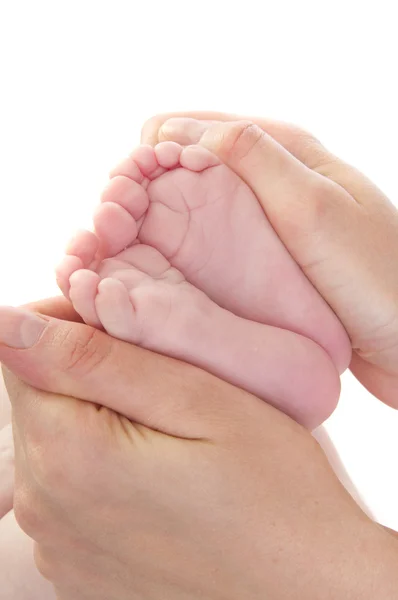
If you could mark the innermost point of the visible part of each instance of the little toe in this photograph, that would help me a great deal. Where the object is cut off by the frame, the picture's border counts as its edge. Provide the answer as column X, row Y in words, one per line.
column 83, row 290
column 197, row 158
column 64, row 270
column 168, row 154
column 115, row 227
column 127, row 193
column 84, row 245
column 115, row 310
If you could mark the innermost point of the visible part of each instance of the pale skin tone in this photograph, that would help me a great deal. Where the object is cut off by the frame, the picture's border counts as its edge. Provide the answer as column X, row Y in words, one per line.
column 355, row 238
column 198, row 177
column 278, row 232
column 194, row 495
column 16, row 551
column 208, row 282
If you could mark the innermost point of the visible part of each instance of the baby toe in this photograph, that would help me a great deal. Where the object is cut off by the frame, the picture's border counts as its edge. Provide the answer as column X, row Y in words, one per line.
column 115, row 310
column 128, row 194
column 168, row 154
column 84, row 245
column 197, row 158
column 64, row 270
column 83, row 291
column 127, row 168
column 146, row 160
column 115, row 228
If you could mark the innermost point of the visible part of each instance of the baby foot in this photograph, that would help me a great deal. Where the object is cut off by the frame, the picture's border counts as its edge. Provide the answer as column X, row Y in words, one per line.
column 208, row 224
column 162, row 213
column 140, row 298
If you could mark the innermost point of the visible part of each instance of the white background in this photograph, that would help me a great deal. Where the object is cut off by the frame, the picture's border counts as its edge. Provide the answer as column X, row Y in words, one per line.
column 78, row 78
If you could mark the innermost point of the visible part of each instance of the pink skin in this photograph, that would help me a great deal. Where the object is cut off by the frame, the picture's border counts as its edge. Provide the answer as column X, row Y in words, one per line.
column 172, row 219
column 184, row 262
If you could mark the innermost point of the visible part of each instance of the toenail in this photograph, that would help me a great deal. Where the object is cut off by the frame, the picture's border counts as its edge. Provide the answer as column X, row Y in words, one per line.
column 19, row 328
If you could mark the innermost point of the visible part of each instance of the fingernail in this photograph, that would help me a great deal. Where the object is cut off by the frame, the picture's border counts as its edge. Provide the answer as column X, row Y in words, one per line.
column 183, row 130
column 19, row 328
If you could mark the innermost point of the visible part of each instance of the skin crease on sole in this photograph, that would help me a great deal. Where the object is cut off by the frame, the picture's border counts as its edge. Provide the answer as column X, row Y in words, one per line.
column 175, row 219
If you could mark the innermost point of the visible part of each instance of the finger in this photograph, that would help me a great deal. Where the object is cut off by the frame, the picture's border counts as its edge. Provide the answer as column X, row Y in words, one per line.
column 57, row 307
column 263, row 153
column 379, row 382
column 299, row 142
column 297, row 200
column 73, row 359
column 185, row 131
column 151, row 128
column 314, row 217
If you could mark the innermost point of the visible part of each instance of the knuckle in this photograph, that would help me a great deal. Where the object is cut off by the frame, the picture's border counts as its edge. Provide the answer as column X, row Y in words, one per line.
column 239, row 139
column 304, row 146
column 312, row 214
column 320, row 204
column 85, row 353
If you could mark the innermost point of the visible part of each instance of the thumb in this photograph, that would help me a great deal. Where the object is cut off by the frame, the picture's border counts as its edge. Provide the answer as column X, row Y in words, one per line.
column 301, row 204
column 75, row 360
column 58, row 307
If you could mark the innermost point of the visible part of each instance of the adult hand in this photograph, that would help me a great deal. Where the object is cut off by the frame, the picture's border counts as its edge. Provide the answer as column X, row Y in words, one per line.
column 51, row 306
column 199, row 491
column 343, row 232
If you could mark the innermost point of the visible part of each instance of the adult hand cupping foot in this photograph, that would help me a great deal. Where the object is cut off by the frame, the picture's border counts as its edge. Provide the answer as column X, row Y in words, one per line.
column 200, row 491
column 343, row 232
column 52, row 306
